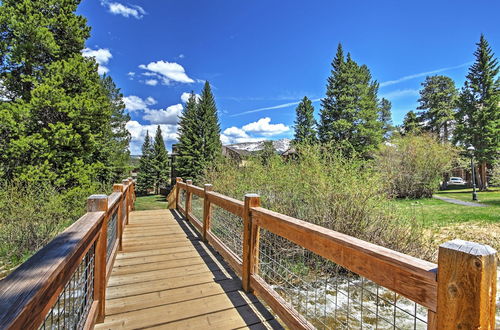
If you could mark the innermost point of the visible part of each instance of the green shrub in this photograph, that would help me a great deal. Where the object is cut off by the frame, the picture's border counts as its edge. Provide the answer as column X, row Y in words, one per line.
column 412, row 166
column 324, row 188
column 31, row 215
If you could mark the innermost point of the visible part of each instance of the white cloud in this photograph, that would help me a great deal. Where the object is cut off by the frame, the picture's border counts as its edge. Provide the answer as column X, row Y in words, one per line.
column 185, row 97
column 138, row 132
column 400, row 93
column 181, row 56
column 117, row 8
column 101, row 56
column 134, row 103
column 169, row 116
column 235, row 132
column 167, row 72
column 131, row 74
column 264, row 127
column 421, row 74
column 253, row 132
column 152, row 82
column 279, row 106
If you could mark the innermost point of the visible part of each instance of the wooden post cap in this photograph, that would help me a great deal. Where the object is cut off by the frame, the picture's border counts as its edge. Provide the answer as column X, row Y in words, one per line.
column 125, row 182
column 178, row 179
column 189, row 181
column 118, row 187
column 466, row 285
column 208, row 187
column 96, row 203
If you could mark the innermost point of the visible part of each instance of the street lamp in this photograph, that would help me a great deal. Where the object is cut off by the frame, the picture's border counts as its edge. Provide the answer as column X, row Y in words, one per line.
column 471, row 150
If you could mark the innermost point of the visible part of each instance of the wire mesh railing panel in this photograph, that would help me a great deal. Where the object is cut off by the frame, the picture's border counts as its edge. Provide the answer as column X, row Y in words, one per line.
column 182, row 198
column 197, row 207
column 111, row 233
column 228, row 228
column 71, row 309
column 328, row 295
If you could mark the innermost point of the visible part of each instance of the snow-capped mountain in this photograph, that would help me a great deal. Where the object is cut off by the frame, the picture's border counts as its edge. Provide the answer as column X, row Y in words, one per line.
column 280, row 146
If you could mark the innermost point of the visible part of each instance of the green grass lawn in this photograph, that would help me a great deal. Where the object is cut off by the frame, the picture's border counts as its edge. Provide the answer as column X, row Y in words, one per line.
column 150, row 202
column 491, row 197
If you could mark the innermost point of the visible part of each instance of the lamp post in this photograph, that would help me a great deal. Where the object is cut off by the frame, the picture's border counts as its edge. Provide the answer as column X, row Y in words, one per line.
column 471, row 150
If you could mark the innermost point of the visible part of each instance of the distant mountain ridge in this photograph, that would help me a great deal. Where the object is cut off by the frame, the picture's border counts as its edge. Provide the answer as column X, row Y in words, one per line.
column 280, row 146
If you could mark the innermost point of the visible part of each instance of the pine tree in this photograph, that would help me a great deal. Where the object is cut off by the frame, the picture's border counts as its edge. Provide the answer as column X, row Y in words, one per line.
column 199, row 136
column 145, row 178
column 385, row 117
column 411, row 124
column 159, row 161
column 349, row 114
column 56, row 95
column 438, row 99
column 188, row 157
column 305, row 124
column 478, row 117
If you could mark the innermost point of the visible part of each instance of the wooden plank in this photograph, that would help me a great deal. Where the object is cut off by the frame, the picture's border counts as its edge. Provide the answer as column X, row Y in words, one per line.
column 175, row 312
column 24, row 293
column 92, row 316
column 157, row 258
column 162, row 273
column 155, row 246
column 285, row 310
column 251, row 315
column 135, row 268
column 170, row 296
column 138, row 254
column 227, row 203
column 137, row 288
column 466, row 286
column 411, row 277
column 232, row 259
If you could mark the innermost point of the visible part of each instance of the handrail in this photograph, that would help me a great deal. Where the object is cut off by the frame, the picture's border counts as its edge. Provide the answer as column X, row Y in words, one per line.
column 416, row 279
column 29, row 293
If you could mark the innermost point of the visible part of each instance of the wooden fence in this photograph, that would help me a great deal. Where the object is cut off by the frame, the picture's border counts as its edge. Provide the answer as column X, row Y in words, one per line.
column 459, row 291
column 64, row 284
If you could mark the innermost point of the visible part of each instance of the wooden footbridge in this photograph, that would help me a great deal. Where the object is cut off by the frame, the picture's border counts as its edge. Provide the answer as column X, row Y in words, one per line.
column 211, row 261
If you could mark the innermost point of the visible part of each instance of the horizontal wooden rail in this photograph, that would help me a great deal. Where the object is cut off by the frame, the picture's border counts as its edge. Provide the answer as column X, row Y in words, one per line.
column 411, row 277
column 30, row 292
column 27, row 294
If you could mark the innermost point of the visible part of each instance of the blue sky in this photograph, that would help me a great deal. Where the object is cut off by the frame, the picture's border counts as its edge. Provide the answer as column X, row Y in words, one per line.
column 263, row 56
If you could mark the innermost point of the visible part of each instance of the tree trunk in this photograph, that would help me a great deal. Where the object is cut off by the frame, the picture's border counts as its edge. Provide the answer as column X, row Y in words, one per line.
column 479, row 181
column 482, row 171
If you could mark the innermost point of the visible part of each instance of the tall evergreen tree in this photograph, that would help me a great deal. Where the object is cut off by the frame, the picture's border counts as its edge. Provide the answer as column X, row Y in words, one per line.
column 199, row 135
column 305, row 124
column 478, row 117
column 411, row 124
column 385, row 117
column 438, row 98
column 349, row 116
column 188, row 157
column 145, row 178
column 55, row 94
column 159, row 161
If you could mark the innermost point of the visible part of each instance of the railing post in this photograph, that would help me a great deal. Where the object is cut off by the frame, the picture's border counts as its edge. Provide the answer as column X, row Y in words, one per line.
column 119, row 188
column 132, row 194
column 466, row 286
column 250, row 241
column 127, row 199
column 189, row 198
column 99, row 203
column 177, row 191
column 207, row 212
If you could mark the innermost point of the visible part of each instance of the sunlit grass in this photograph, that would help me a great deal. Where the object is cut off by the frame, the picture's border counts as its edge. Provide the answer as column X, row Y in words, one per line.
column 151, row 202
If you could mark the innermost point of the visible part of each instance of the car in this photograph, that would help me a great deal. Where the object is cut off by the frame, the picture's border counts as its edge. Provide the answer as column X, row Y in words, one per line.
column 456, row 181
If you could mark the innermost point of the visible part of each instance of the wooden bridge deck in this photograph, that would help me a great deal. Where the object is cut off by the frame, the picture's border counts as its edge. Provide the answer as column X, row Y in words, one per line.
column 166, row 277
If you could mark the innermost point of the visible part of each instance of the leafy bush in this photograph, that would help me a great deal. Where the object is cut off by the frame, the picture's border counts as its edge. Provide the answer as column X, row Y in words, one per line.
column 413, row 166
column 31, row 215
column 324, row 188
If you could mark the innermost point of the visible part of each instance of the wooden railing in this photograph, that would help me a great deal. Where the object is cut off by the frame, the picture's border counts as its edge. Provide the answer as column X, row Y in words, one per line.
column 64, row 284
column 459, row 291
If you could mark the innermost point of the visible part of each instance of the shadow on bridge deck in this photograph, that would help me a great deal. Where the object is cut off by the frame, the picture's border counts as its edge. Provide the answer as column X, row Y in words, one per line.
column 166, row 277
